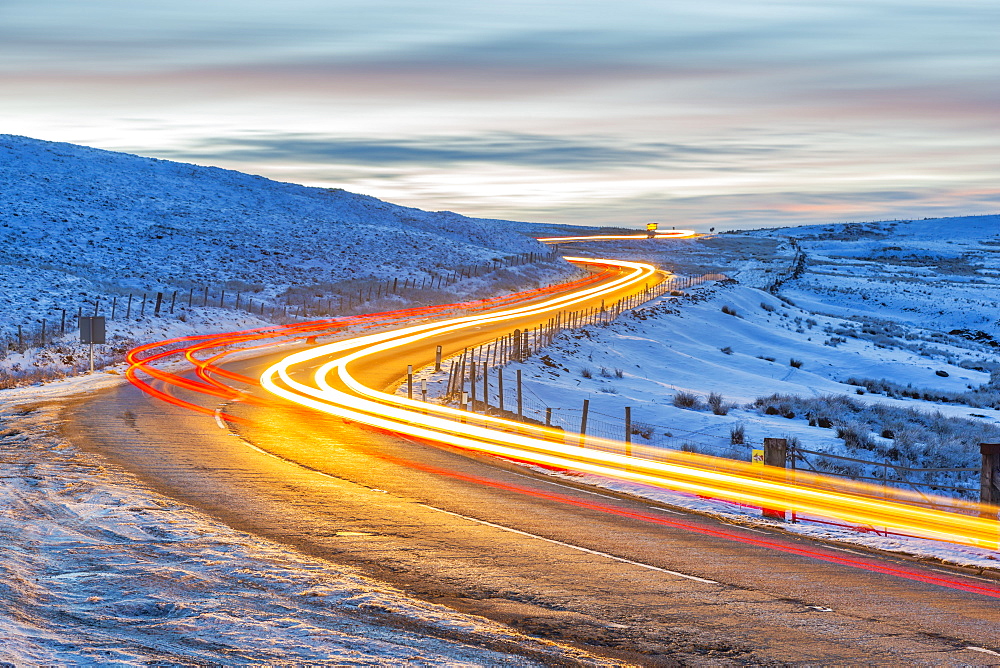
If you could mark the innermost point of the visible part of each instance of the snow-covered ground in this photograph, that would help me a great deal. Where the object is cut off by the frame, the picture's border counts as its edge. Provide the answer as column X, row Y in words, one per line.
column 793, row 364
column 83, row 229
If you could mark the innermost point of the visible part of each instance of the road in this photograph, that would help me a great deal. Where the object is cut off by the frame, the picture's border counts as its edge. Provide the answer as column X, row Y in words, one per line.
column 619, row 576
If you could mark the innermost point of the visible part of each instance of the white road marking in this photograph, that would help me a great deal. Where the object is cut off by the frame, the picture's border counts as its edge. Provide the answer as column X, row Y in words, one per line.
column 983, row 650
column 964, row 575
column 218, row 418
column 844, row 549
column 665, row 510
column 585, row 491
column 572, row 547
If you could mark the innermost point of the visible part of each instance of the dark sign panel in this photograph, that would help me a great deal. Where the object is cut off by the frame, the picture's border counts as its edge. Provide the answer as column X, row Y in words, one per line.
column 92, row 329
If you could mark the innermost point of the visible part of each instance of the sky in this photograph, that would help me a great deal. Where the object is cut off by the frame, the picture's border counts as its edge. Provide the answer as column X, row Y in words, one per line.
column 695, row 114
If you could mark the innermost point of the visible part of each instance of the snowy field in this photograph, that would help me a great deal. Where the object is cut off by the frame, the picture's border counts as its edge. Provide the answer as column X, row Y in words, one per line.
column 892, row 362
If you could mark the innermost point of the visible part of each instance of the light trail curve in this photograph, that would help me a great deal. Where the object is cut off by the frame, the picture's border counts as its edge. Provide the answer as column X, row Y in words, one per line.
column 334, row 390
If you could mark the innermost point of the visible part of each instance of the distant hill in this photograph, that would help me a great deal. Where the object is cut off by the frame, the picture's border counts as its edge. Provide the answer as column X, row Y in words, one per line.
column 75, row 219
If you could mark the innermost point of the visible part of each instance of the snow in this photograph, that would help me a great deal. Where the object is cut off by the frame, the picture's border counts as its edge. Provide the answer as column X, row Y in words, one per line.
column 80, row 227
column 737, row 339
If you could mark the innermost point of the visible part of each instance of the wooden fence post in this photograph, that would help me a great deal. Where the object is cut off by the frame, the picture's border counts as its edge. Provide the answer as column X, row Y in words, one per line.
column 989, row 477
column 775, row 452
column 583, row 421
column 628, row 431
column 520, row 406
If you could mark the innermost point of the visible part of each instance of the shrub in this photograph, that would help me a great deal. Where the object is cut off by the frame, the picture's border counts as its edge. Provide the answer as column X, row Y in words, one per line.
column 795, row 363
column 686, row 400
column 727, row 350
column 737, row 434
column 767, row 307
column 619, row 373
column 855, row 437
column 586, row 373
column 728, row 310
column 718, row 406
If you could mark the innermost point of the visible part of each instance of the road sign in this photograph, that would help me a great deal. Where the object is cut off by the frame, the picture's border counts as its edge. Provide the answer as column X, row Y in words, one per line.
column 757, row 457
column 651, row 227
column 92, row 329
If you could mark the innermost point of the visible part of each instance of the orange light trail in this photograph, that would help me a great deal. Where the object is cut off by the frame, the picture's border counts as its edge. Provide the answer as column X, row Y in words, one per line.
column 142, row 360
column 336, row 391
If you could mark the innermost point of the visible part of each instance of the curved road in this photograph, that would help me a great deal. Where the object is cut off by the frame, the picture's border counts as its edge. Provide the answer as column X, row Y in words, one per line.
column 619, row 576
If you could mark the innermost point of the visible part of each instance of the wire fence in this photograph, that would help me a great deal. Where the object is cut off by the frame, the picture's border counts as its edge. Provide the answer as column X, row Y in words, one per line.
column 296, row 302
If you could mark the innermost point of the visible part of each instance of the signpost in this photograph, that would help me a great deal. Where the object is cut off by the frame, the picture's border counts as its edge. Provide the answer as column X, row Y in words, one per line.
column 651, row 230
column 92, row 330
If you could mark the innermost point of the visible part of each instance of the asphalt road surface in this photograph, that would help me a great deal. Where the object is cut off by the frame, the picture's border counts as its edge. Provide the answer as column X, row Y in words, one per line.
column 621, row 577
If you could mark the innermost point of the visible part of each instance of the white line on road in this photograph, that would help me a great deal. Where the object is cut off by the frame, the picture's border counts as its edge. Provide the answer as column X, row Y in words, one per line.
column 740, row 526
column 585, row 491
column 964, row 575
column 218, row 418
column 573, row 547
column 844, row 549
column 983, row 650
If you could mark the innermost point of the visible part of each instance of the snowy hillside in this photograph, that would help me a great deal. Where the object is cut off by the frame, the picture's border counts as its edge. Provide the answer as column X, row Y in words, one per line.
column 80, row 227
column 873, row 347
column 940, row 273
column 76, row 219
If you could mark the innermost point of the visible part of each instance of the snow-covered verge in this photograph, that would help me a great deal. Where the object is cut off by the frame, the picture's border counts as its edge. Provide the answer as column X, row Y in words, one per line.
column 97, row 570
column 89, row 232
column 728, row 364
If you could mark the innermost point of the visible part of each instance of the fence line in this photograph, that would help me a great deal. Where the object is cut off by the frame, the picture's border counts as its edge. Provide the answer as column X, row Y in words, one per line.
column 295, row 303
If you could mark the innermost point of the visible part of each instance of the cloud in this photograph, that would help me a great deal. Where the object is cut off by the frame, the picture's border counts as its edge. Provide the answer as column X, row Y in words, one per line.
column 503, row 148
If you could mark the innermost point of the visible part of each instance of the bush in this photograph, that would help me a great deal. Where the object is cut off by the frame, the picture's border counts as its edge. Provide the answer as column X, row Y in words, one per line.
column 586, row 373
column 737, row 434
column 728, row 310
column 686, row 400
column 726, row 351
column 619, row 373
column 855, row 437
column 767, row 307
column 795, row 363
column 718, row 406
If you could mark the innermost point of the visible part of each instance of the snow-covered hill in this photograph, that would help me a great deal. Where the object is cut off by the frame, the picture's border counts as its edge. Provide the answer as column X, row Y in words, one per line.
column 941, row 273
column 79, row 225
column 77, row 218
